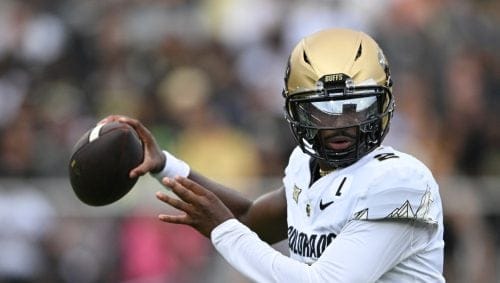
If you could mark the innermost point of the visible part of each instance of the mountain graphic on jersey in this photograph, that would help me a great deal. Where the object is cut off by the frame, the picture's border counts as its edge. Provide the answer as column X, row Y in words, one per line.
column 405, row 211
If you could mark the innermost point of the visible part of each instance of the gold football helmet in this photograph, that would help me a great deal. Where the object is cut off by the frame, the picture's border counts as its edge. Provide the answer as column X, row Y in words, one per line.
column 338, row 83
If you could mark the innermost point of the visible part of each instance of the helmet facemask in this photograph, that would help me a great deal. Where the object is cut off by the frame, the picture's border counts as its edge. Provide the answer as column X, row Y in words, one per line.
column 340, row 123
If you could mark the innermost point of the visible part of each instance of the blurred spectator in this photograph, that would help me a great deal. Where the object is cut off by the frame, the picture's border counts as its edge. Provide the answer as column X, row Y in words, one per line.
column 85, row 249
column 415, row 121
column 28, row 220
column 470, row 252
column 17, row 146
column 465, row 113
column 14, row 82
column 241, row 23
column 204, row 138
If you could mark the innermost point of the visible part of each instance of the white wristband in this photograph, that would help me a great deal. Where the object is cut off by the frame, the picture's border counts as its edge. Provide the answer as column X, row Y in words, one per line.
column 173, row 167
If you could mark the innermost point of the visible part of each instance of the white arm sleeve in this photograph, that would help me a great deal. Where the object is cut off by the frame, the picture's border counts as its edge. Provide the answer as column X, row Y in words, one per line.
column 362, row 252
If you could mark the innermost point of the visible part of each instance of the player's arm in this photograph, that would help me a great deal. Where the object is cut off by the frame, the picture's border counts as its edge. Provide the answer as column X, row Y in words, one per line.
column 362, row 252
column 266, row 215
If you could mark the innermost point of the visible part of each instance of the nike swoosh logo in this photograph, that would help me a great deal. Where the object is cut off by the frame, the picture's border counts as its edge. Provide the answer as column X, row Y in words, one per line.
column 322, row 205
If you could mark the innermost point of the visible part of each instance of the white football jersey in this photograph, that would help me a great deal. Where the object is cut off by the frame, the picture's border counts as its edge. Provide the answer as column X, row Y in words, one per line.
column 378, row 220
column 385, row 184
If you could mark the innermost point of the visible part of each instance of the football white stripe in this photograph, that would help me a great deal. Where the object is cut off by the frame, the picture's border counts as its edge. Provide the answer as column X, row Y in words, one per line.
column 94, row 134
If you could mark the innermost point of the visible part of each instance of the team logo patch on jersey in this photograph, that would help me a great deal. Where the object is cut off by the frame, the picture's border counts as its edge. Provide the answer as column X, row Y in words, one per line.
column 296, row 193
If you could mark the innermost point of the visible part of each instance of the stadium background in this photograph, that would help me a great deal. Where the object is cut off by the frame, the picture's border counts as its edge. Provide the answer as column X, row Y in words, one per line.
column 206, row 77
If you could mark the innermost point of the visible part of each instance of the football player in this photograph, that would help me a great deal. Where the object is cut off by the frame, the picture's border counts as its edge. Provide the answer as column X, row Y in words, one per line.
column 352, row 209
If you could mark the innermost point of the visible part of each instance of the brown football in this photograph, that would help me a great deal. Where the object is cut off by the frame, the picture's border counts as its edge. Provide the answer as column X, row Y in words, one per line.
column 101, row 161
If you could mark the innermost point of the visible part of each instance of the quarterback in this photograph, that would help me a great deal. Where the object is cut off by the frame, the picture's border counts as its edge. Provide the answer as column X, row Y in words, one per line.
column 352, row 209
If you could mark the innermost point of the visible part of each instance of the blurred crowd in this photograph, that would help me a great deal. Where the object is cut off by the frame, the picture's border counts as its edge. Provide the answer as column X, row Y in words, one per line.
column 206, row 78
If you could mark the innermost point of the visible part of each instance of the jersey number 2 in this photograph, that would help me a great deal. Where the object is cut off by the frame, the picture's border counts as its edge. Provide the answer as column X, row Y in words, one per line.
column 385, row 156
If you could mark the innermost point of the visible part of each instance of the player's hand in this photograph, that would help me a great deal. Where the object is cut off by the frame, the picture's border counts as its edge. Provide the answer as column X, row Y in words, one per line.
column 154, row 159
column 202, row 209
